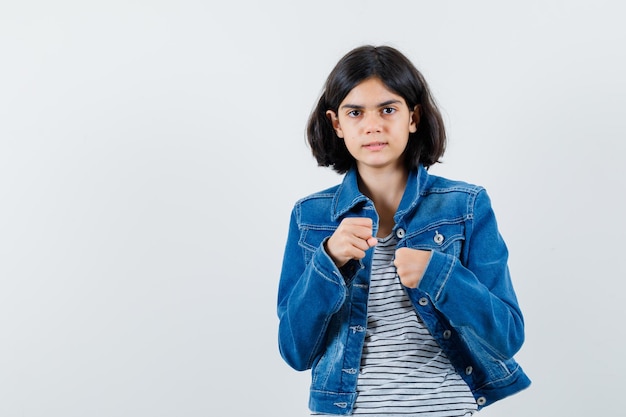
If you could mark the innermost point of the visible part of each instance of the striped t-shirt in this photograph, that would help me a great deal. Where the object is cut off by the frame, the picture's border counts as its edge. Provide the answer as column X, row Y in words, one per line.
column 403, row 369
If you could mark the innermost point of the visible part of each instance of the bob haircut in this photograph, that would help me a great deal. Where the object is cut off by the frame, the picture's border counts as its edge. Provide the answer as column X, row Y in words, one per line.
column 426, row 146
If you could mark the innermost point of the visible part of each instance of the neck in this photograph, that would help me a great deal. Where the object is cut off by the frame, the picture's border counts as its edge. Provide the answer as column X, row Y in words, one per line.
column 385, row 188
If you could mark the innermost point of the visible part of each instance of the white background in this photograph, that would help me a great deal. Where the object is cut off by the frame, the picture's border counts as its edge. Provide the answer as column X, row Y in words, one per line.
column 150, row 153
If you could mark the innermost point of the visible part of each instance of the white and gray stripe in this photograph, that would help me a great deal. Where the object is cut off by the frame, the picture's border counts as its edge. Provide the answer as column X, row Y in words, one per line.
column 403, row 369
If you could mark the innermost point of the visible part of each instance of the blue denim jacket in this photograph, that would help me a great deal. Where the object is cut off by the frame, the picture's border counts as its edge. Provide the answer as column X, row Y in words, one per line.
column 465, row 298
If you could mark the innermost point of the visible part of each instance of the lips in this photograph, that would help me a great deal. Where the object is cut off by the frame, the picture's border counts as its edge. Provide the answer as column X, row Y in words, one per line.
column 375, row 146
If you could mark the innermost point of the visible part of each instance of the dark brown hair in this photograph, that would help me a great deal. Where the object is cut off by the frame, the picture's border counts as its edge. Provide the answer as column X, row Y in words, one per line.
column 426, row 146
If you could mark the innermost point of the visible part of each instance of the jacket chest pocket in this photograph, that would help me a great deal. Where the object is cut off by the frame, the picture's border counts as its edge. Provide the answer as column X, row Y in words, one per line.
column 447, row 238
column 311, row 238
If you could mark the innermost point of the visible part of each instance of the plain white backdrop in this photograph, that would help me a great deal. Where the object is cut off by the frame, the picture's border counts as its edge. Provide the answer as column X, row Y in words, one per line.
column 150, row 153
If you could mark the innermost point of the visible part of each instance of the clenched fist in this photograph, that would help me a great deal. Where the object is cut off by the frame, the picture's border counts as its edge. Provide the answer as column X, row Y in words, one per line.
column 351, row 239
column 410, row 265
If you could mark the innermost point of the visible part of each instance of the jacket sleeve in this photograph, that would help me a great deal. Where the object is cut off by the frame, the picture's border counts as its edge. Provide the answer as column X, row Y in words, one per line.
column 309, row 294
column 475, row 293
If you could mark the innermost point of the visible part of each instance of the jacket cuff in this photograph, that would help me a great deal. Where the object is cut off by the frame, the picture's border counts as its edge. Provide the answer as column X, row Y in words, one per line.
column 436, row 274
column 326, row 265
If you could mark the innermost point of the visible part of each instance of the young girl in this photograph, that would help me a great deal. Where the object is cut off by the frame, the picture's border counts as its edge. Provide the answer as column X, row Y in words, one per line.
column 395, row 289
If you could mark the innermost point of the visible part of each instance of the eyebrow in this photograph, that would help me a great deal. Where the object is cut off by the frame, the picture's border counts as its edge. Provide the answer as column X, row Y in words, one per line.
column 383, row 104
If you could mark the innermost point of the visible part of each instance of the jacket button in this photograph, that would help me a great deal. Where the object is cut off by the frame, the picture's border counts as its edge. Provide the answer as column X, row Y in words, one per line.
column 447, row 334
column 423, row 301
column 481, row 401
column 438, row 238
column 469, row 370
column 400, row 233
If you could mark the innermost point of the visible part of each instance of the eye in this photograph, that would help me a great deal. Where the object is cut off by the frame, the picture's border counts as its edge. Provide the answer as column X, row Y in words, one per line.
column 389, row 110
column 354, row 113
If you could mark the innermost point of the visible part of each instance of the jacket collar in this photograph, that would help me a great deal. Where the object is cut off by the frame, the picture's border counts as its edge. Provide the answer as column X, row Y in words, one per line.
column 348, row 195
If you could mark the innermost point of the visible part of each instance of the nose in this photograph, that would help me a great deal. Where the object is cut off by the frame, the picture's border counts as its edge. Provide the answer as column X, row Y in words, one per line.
column 372, row 122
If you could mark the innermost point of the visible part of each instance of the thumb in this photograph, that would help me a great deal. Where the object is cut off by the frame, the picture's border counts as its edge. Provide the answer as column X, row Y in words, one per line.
column 372, row 241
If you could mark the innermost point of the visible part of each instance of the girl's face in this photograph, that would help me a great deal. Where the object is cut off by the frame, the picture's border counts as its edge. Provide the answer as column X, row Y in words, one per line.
column 375, row 124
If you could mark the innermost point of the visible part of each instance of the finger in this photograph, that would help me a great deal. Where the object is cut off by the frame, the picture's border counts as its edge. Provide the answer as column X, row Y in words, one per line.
column 358, row 221
column 360, row 246
column 360, row 243
column 363, row 232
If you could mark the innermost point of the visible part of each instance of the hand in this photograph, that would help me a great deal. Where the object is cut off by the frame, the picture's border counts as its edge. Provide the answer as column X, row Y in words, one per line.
column 410, row 265
column 351, row 239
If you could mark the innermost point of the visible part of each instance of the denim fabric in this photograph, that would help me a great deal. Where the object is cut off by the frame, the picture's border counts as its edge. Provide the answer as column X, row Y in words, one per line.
column 465, row 298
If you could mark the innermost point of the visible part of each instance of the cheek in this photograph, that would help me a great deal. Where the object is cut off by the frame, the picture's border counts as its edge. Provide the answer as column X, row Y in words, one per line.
column 352, row 145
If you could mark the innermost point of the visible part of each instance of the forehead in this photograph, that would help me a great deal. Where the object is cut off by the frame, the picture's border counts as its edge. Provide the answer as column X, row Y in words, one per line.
column 371, row 91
